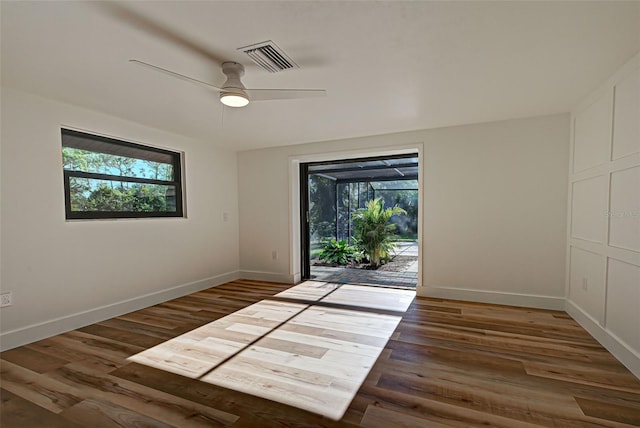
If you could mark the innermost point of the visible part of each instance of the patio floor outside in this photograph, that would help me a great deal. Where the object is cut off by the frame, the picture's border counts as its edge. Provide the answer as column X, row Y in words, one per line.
column 407, row 278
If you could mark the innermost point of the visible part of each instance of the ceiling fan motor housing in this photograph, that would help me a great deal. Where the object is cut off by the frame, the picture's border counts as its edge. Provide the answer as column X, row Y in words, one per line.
column 233, row 91
column 233, row 71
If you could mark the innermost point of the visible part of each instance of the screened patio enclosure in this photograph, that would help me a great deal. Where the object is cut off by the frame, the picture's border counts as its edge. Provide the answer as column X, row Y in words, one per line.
column 337, row 189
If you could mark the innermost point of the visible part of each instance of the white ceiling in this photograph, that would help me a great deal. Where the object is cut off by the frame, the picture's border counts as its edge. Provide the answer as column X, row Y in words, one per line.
column 387, row 66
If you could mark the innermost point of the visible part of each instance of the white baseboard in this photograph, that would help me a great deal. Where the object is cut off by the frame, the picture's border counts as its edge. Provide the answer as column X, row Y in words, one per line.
column 627, row 356
column 297, row 277
column 22, row 336
column 495, row 297
column 258, row 275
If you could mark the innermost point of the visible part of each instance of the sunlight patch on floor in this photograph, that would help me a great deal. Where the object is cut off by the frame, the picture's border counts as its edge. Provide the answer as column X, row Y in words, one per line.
column 313, row 353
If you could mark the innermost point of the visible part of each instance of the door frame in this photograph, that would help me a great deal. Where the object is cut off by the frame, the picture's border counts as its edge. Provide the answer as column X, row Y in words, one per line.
column 297, row 252
column 305, row 233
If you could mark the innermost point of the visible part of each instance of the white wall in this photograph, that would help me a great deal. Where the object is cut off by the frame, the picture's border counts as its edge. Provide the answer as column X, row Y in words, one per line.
column 64, row 274
column 603, row 274
column 494, row 217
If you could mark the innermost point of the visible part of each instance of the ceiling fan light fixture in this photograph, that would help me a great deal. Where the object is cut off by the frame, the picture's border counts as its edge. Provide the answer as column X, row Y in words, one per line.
column 234, row 99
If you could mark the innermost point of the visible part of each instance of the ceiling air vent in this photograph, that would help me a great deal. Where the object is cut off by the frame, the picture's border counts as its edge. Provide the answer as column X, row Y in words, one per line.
column 269, row 56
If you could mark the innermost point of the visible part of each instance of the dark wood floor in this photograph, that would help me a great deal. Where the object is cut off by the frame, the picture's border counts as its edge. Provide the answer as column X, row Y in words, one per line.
column 449, row 363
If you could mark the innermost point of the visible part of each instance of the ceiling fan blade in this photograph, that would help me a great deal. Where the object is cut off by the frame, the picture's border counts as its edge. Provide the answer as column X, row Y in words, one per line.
column 174, row 74
column 284, row 94
column 139, row 21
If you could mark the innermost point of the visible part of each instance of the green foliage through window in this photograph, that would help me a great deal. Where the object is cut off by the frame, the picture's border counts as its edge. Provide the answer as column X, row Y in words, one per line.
column 322, row 208
column 107, row 178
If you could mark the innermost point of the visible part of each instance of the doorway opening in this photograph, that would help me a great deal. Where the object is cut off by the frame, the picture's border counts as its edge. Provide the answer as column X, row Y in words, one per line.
column 348, row 233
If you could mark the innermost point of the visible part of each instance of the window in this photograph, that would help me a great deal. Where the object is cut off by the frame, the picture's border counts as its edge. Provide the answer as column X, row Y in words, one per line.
column 107, row 178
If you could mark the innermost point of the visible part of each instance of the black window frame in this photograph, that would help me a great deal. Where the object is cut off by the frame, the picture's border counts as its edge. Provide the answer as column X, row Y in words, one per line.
column 177, row 182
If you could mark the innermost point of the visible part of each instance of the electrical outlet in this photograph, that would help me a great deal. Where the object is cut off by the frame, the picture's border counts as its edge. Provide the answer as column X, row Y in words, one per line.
column 584, row 284
column 6, row 299
column 274, row 255
column 225, row 216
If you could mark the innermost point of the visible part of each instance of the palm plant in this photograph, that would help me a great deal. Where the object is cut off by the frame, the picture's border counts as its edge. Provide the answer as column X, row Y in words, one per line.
column 374, row 232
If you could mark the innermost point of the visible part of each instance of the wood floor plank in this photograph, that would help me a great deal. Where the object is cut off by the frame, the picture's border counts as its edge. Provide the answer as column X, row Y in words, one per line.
column 378, row 417
column 535, row 327
column 476, row 396
column 16, row 411
column 449, row 363
column 105, row 363
column 139, row 328
column 584, row 375
column 317, row 373
column 51, row 348
column 608, row 411
column 96, row 345
column 371, row 297
column 438, row 411
column 39, row 389
column 443, row 377
column 310, row 383
column 141, row 317
column 192, row 314
column 293, row 347
column 252, row 410
column 309, row 291
column 33, row 359
column 199, row 351
column 456, row 357
column 120, row 335
column 149, row 402
column 102, row 414
column 515, row 345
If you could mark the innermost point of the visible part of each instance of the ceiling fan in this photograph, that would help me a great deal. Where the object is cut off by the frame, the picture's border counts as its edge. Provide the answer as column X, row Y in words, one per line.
column 232, row 92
